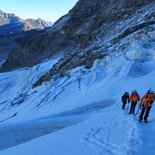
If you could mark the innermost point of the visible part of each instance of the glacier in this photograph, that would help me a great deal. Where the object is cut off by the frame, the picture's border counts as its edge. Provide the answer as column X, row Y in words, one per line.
column 79, row 113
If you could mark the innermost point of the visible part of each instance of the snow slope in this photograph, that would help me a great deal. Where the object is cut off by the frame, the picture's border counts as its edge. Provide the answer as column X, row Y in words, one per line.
column 81, row 112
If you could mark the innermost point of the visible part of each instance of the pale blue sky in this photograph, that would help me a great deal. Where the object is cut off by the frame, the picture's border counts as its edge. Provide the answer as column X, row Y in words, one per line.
column 45, row 9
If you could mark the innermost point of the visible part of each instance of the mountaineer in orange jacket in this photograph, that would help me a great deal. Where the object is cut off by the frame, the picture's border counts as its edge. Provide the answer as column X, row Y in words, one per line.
column 134, row 98
column 146, row 104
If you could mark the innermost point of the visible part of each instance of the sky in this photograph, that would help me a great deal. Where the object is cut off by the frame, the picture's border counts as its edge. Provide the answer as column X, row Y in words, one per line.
column 50, row 10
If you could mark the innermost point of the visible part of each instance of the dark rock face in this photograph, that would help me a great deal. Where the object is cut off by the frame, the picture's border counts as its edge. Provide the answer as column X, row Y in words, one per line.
column 106, row 7
column 88, row 21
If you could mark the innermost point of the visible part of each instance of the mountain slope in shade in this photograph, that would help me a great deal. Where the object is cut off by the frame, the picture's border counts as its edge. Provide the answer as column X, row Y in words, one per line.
column 12, row 41
column 15, row 31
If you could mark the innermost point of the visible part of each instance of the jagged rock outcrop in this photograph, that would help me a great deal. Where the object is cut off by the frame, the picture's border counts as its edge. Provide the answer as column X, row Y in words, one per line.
column 7, row 18
column 35, row 24
column 90, row 28
column 67, row 63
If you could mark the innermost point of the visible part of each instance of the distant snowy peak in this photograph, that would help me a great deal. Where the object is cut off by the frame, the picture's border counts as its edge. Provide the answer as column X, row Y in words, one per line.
column 10, row 23
column 50, row 23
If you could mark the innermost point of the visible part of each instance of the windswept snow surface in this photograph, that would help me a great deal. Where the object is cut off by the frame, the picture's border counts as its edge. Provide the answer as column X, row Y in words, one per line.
column 79, row 114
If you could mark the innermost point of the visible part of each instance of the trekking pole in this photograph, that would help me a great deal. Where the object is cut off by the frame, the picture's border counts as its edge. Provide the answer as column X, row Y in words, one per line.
column 117, row 104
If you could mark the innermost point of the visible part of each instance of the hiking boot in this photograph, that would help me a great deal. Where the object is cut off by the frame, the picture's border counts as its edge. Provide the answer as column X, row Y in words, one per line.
column 129, row 113
column 145, row 121
column 140, row 119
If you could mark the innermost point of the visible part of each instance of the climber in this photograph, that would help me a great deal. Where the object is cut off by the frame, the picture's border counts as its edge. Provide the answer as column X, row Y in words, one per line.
column 134, row 98
column 125, row 98
column 146, row 104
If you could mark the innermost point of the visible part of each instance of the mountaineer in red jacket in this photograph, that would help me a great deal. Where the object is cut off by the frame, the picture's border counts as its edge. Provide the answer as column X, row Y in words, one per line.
column 146, row 104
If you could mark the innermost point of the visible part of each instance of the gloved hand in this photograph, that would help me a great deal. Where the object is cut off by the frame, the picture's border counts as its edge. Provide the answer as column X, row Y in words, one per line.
column 129, row 101
column 140, row 106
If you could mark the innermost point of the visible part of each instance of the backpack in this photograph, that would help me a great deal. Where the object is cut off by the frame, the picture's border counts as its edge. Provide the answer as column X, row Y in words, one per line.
column 134, row 97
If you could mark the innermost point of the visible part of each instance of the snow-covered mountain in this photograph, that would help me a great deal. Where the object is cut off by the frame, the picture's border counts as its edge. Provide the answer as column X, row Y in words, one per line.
column 66, row 98
column 11, row 24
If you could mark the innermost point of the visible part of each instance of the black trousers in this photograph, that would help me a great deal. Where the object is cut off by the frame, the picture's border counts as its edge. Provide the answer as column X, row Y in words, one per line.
column 145, row 110
column 132, row 108
column 124, row 103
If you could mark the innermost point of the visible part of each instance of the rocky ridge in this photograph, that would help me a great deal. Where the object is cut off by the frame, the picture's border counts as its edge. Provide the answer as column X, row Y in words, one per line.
column 90, row 31
column 11, row 24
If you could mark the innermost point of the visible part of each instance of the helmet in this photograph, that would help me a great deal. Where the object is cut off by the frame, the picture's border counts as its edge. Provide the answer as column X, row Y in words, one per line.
column 135, row 91
column 126, row 93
